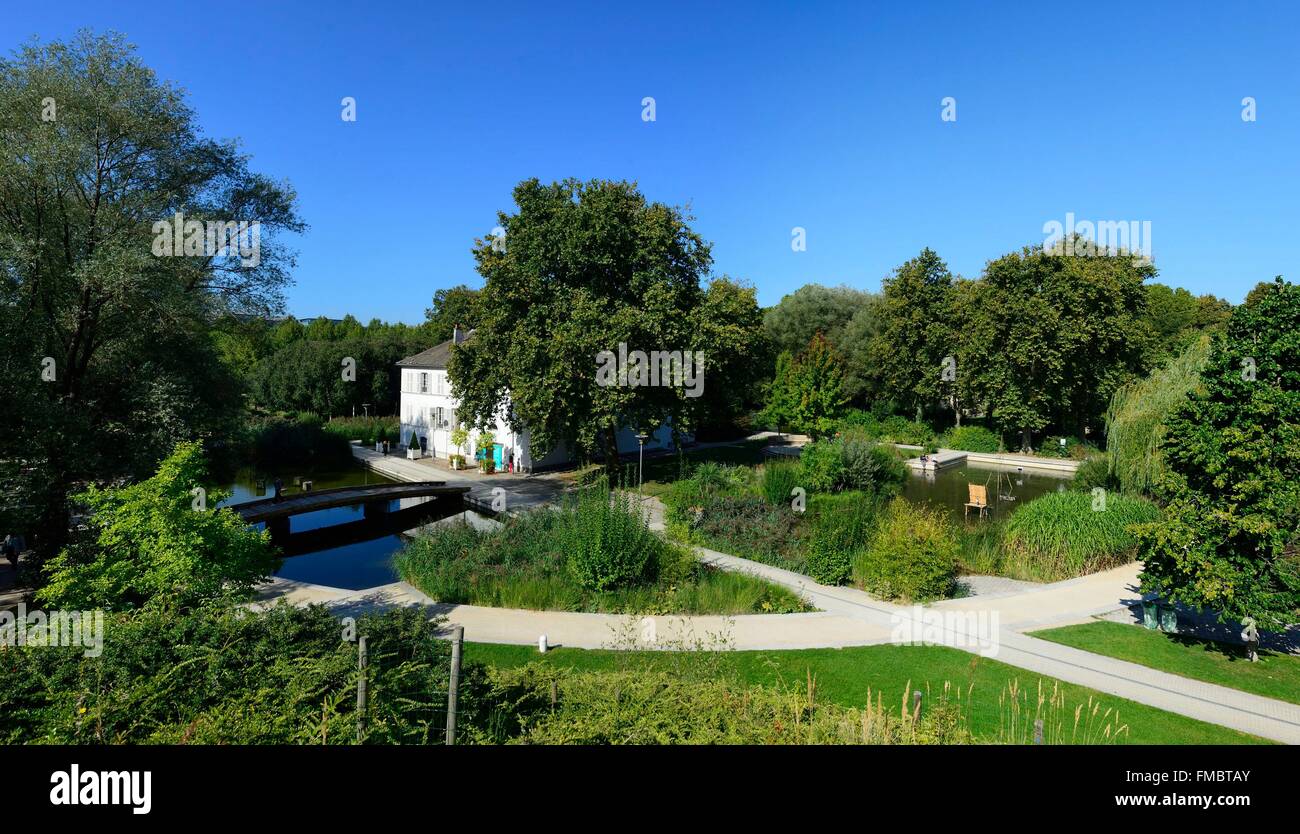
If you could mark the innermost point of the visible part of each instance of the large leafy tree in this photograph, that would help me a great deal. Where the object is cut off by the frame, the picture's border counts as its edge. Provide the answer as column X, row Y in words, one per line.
column 913, row 336
column 586, row 266
column 729, row 323
column 452, row 307
column 1046, row 338
column 808, row 391
column 1230, row 539
column 94, row 149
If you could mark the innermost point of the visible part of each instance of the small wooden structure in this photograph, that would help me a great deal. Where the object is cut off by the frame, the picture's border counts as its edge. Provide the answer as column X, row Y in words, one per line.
column 979, row 498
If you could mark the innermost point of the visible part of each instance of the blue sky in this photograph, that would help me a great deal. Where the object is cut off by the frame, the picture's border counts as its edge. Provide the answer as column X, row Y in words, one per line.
column 769, row 116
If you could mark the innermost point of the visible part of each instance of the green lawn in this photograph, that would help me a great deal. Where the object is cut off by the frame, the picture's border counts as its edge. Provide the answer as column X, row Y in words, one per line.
column 1274, row 676
column 844, row 676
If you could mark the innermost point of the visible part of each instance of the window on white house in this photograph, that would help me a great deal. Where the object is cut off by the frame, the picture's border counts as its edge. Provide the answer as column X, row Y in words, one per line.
column 424, row 383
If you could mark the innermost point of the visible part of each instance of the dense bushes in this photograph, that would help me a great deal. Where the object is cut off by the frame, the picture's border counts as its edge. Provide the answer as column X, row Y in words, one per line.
column 840, row 526
column 588, row 556
column 971, row 439
column 224, row 675
column 778, row 481
column 1095, row 472
column 366, row 429
column 656, row 706
column 163, row 538
column 1067, row 534
column 272, row 442
column 912, row 557
column 850, row 461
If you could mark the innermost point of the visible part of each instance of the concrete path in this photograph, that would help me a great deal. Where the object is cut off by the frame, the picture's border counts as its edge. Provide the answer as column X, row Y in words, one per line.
column 521, row 492
column 993, row 626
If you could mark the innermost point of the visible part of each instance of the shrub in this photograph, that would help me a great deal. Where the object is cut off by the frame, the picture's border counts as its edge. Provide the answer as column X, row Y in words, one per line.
column 912, row 557
column 745, row 526
column 820, row 466
column 608, row 544
column 897, row 429
column 1061, row 535
column 841, row 526
column 779, row 480
column 147, row 542
column 365, row 429
column 274, row 442
column 868, row 466
column 1095, row 472
column 971, row 439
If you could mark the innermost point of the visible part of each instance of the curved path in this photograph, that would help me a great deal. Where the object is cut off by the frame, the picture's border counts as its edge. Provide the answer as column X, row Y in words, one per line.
column 990, row 626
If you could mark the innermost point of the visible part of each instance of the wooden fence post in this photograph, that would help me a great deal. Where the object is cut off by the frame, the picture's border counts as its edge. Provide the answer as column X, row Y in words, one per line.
column 453, row 688
column 361, row 689
column 916, row 707
column 1038, row 731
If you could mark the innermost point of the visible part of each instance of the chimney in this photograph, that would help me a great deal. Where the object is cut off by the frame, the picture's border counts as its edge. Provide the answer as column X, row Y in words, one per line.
column 455, row 335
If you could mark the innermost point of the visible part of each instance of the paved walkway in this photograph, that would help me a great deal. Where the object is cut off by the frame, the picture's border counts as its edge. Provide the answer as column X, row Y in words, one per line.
column 521, row 491
column 992, row 626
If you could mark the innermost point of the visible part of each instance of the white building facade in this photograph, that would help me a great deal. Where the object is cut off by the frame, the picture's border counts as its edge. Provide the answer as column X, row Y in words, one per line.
column 429, row 412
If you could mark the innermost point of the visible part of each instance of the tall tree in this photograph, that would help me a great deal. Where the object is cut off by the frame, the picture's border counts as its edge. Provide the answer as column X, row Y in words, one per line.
column 105, row 328
column 1230, row 538
column 586, row 267
column 452, row 307
column 914, row 336
column 1047, row 338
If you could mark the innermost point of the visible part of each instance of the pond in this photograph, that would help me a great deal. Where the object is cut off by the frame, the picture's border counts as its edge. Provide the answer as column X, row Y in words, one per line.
column 1008, row 487
column 353, row 565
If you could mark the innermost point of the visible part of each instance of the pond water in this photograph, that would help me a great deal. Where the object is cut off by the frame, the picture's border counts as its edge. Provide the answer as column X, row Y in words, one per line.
column 1008, row 487
column 353, row 565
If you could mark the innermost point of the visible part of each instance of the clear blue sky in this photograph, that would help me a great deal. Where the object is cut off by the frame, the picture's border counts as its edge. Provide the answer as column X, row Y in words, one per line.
column 769, row 116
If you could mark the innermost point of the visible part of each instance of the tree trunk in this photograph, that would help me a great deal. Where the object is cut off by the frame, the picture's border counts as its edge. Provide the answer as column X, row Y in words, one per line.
column 1026, row 440
column 611, row 454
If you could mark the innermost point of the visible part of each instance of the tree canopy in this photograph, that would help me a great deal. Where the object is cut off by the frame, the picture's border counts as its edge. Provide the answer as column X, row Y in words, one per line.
column 1230, row 539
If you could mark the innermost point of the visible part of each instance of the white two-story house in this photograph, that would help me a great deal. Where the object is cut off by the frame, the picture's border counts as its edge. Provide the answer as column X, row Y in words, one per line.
column 428, row 412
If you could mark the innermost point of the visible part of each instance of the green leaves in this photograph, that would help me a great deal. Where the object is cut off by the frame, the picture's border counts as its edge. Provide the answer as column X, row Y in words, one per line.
column 1232, row 489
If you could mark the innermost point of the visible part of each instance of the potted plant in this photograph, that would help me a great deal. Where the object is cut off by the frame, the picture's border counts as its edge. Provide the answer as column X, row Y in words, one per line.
column 486, row 442
column 380, row 439
column 413, row 447
column 459, row 437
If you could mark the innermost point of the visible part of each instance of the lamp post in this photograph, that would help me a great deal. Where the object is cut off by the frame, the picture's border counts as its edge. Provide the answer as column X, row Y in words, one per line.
column 641, row 438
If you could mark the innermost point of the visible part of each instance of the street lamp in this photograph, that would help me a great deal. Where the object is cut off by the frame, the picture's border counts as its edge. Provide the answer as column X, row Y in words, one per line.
column 641, row 438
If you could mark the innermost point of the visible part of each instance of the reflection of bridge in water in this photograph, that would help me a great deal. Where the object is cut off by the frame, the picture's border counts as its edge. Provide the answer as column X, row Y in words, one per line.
column 379, row 519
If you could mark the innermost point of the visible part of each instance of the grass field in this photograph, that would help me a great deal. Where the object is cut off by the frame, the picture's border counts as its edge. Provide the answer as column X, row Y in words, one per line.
column 846, row 676
column 1274, row 676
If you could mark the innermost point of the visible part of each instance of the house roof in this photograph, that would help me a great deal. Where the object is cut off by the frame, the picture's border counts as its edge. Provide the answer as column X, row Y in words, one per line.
column 435, row 357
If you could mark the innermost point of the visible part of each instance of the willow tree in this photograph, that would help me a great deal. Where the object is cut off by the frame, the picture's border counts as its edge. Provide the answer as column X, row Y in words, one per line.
column 585, row 268
column 107, row 361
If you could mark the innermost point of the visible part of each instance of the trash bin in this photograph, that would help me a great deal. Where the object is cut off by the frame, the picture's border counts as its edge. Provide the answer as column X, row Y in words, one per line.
column 1168, row 618
column 1149, row 615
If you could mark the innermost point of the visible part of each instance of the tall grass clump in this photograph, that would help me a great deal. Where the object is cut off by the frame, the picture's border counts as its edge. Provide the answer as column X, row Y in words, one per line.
column 841, row 526
column 608, row 543
column 1061, row 535
column 778, row 481
column 364, row 429
column 1135, row 421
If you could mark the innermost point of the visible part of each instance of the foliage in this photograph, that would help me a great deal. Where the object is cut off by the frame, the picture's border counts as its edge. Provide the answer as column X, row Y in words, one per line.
column 1094, row 472
column 912, row 557
column 868, row 466
column 609, row 545
column 778, row 481
column 526, row 564
column 847, row 317
column 808, row 391
column 1071, row 533
column 1230, row 537
column 821, row 466
column 658, row 707
column 1177, row 319
column 272, row 442
column 587, row 267
column 84, row 196
column 459, row 437
column 224, row 675
column 148, row 541
column 1047, row 338
column 365, row 429
column 971, row 439
column 1139, row 412
column 914, row 334
column 452, row 307
column 842, row 525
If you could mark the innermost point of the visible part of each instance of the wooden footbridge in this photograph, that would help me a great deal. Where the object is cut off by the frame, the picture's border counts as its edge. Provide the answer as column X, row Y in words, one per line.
column 375, row 500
